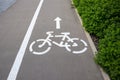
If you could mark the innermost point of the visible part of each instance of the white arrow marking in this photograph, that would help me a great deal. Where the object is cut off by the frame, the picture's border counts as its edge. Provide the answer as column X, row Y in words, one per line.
column 57, row 22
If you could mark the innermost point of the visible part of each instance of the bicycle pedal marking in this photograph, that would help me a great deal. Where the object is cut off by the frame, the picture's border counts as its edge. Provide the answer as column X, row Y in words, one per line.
column 64, row 43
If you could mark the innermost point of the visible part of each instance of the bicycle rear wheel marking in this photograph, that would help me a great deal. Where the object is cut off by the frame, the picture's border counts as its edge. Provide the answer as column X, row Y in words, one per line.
column 42, row 52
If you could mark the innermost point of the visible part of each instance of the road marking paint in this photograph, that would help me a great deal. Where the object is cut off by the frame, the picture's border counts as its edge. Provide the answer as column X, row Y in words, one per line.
column 84, row 42
column 18, row 60
column 39, row 46
column 57, row 22
column 83, row 50
column 65, row 39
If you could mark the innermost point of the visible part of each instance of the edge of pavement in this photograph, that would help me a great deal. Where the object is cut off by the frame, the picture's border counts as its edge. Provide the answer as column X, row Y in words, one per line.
column 92, row 45
column 4, row 5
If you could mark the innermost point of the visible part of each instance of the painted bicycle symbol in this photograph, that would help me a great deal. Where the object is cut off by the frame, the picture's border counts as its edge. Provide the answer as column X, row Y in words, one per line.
column 74, row 45
column 48, row 41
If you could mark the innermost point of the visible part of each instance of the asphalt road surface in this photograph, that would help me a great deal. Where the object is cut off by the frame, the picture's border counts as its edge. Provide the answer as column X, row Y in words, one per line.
column 44, row 40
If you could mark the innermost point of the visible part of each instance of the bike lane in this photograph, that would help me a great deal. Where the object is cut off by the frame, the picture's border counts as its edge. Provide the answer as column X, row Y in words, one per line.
column 58, row 63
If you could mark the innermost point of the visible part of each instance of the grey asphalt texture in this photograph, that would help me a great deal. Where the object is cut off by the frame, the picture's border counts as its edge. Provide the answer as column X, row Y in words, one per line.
column 58, row 63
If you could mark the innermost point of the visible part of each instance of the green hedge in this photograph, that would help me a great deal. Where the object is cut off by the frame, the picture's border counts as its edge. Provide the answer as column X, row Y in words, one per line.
column 102, row 19
column 96, row 14
column 109, row 52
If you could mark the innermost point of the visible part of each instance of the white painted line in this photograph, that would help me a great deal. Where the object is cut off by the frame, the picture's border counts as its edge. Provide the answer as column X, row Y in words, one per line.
column 18, row 60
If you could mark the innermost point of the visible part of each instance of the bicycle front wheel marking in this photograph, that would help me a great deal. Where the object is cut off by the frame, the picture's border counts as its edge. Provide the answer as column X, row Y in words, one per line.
column 78, row 52
column 84, row 42
column 83, row 50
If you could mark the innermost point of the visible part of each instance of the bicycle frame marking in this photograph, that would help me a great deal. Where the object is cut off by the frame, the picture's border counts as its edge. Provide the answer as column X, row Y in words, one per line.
column 63, row 35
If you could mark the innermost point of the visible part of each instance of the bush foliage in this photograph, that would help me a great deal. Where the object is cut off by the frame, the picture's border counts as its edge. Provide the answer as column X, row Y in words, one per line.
column 102, row 19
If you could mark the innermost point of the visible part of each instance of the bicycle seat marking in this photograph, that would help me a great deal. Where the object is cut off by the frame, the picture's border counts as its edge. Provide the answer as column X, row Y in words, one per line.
column 65, row 40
